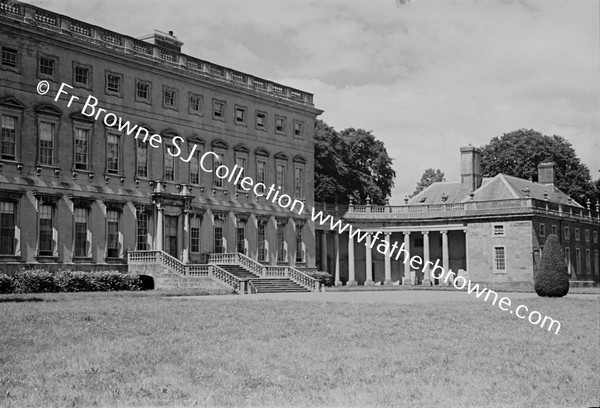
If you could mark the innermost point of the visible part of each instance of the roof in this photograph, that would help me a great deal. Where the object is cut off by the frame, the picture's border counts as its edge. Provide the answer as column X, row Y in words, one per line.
column 500, row 187
column 434, row 193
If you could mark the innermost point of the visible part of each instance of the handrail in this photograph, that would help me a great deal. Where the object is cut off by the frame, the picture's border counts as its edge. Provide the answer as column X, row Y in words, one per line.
column 303, row 279
column 227, row 278
column 250, row 264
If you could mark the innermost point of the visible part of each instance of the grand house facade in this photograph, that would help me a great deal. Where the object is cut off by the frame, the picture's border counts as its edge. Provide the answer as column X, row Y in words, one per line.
column 489, row 230
column 77, row 193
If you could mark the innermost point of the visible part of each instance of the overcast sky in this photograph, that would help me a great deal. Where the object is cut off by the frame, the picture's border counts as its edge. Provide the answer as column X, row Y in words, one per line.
column 427, row 77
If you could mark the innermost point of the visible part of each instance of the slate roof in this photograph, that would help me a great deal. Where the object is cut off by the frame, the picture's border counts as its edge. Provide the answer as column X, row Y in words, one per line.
column 500, row 187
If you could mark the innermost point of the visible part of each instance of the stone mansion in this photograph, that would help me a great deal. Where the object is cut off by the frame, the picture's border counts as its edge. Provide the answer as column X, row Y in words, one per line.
column 80, row 193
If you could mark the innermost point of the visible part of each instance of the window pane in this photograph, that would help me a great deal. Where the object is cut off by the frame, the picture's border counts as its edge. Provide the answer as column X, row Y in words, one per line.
column 81, row 220
column 113, row 153
column 7, row 228
column 45, row 238
column 9, row 132
column 81, row 149
column 46, row 143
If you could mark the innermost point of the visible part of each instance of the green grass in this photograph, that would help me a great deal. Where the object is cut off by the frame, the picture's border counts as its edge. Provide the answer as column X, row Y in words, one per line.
column 141, row 349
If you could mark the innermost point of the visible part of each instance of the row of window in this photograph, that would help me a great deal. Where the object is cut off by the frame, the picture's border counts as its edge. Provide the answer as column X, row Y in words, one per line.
column 498, row 230
column 47, row 234
column 82, row 133
column 82, row 76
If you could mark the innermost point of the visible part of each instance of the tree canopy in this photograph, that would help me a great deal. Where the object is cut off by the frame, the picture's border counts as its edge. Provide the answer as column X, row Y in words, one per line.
column 429, row 177
column 518, row 154
column 351, row 164
column 552, row 279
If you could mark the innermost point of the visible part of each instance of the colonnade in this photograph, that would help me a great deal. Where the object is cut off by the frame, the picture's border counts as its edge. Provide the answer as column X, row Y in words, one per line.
column 406, row 279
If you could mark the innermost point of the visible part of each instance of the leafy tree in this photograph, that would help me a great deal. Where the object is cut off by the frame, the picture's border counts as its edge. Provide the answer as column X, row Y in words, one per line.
column 518, row 154
column 429, row 177
column 552, row 279
column 351, row 164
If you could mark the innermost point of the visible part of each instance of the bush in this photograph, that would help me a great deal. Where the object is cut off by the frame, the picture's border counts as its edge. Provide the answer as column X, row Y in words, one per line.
column 38, row 281
column 7, row 284
column 552, row 279
column 324, row 277
column 35, row 281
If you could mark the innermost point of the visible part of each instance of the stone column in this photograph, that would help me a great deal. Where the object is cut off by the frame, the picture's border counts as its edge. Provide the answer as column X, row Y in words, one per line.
column 388, row 262
column 426, row 277
column 445, row 255
column 406, row 279
column 351, row 277
column 159, row 228
column 369, row 263
column 466, row 252
column 324, row 251
column 186, row 237
column 336, row 241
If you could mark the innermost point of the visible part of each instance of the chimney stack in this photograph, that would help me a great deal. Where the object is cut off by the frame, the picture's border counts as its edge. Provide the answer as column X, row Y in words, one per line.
column 546, row 173
column 470, row 168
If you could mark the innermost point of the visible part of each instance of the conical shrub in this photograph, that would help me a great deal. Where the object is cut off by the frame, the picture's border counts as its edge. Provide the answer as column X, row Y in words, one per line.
column 552, row 279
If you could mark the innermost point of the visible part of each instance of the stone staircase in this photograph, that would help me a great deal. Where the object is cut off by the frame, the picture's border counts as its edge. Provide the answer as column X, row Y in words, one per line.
column 276, row 285
column 264, row 285
column 237, row 271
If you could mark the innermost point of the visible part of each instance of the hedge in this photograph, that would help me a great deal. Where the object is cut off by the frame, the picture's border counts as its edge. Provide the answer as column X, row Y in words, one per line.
column 40, row 281
column 324, row 277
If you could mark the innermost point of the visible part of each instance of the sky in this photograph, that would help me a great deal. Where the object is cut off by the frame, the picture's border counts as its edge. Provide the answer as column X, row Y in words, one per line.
column 426, row 77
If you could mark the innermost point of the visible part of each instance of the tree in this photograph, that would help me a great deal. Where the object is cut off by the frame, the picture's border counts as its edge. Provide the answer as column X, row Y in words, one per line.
column 518, row 154
column 351, row 164
column 429, row 177
column 552, row 279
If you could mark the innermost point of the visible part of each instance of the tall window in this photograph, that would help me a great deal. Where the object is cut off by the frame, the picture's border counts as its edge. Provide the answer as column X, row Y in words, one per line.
column 298, row 129
column 567, row 232
column 554, row 229
column 499, row 259
column 47, row 143
column 299, row 182
column 195, row 168
column 217, row 161
column 7, row 227
column 280, row 176
column 260, row 171
column 588, row 261
column 169, row 167
column 195, row 234
column 281, row 251
column 8, row 149
column 261, row 120
column 45, row 230
column 81, row 232
column 542, row 230
column 577, row 235
column 568, row 259
column 142, row 159
column 81, row 149
column 218, row 241
column 112, row 245
column 577, row 260
column 262, row 250
column 299, row 246
column 587, row 235
column 241, row 163
column 240, row 237
column 280, row 125
column 142, row 231
column 112, row 153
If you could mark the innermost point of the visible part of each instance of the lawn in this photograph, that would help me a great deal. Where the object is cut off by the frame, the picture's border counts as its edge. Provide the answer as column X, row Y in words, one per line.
column 142, row 349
